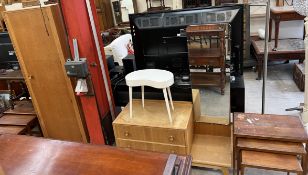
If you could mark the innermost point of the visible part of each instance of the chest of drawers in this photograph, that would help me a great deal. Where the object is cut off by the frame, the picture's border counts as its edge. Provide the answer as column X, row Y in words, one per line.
column 150, row 130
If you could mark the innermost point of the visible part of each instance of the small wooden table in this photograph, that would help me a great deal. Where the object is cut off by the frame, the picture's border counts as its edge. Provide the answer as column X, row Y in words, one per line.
column 45, row 156
column 283, row 13
column 289, row 49
column 269, row 127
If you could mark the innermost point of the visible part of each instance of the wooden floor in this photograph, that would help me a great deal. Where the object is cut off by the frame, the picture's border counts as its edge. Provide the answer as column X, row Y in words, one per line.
column 211, row 151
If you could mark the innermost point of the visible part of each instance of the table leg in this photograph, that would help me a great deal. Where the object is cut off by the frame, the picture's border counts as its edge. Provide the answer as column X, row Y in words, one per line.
column 142, row 93
column 259, row 67
column 170, row 97
column 277, row 23
column 130, row 102
column 270, row 30
column 167, row 104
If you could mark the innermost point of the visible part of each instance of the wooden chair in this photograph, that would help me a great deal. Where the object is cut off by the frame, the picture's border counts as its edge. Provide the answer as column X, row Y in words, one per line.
column 270, row 161
column 151, row 8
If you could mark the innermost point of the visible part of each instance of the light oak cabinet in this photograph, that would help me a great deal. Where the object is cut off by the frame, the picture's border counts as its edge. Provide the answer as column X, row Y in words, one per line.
column 150, row 130
column 39, row 39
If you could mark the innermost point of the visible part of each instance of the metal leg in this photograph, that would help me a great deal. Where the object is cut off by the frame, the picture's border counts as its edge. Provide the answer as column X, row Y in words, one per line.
column 170, row 98
column 131, row 102
column 167, row 105
column 142, row 93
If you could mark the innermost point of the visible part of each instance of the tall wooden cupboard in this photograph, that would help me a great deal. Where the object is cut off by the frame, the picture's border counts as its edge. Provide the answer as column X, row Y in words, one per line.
column 39, row 39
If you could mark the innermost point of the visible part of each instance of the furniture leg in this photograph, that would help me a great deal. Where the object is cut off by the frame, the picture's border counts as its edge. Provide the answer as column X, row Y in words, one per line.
column 239, row 161
column 167, row 105
column 242, row 170
column 225, row 171
column 131, row 102
column 304, row 163
column 270, row 30
column 277, row 23
column 142, row 93
column 260, row 68
column 170, row 98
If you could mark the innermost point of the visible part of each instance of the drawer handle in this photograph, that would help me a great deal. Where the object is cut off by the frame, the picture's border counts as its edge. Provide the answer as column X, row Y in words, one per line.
column 126, row 133
column 171, row 138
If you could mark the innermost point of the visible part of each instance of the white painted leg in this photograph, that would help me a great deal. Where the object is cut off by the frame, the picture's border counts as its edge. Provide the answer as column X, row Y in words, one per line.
column 130, row 102
column 142, row 93
column 167, row 105
column 170, row 98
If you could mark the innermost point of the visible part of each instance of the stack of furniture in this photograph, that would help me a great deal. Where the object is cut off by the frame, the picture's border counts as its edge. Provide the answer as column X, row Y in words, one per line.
column 271, row 142
column 205, row 55
column 54, row 100
column 20, row 120
column 45, row 156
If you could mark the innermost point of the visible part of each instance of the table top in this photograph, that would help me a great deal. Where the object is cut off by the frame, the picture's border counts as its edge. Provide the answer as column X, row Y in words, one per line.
column 286, row 46
column 282, row 9
column 15, row 75
column 45, row 156
column 269, row 126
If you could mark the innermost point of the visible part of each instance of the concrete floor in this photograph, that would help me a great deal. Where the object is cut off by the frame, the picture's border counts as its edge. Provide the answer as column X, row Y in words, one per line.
column 281, row 93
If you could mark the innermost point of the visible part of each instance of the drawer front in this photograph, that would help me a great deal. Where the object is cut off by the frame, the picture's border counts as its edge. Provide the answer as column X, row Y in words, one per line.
column 155, row 147
column 160, row 135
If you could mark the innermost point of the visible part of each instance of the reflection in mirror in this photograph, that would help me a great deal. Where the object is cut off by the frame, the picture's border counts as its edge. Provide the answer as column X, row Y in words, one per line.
column 208, row 53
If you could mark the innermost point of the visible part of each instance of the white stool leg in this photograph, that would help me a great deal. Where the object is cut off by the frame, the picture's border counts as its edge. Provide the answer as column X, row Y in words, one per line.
column 167, row 105
column 131, row 102
column 170, row 97
column 142, row 93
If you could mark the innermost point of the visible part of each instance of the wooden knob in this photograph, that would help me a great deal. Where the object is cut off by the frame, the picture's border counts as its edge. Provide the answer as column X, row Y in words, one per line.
column 30, row 77
column 126, row 133
column 171, row 138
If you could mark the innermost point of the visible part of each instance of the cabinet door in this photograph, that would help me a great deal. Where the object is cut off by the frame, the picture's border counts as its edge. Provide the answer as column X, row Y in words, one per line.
column 38, row 37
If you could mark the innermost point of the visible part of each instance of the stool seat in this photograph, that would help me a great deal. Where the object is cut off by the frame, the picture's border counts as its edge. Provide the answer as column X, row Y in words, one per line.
column 271, row 161
column 156, row 78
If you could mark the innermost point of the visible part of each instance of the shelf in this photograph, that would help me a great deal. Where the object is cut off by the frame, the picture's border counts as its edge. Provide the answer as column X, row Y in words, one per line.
column 211, row 151
column 205, row 52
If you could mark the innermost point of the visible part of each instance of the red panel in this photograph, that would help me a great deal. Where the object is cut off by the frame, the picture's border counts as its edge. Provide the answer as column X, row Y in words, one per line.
column 78, row 26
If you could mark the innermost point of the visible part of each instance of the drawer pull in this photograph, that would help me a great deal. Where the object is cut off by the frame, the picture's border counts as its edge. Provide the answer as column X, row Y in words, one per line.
column 126, row 133
column 171, row 138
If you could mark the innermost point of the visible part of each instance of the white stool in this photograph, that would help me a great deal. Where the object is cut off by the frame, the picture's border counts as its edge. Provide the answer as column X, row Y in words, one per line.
column 156, row 78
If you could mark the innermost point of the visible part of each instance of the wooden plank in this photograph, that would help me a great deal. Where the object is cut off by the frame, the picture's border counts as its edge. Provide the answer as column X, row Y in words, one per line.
column 196, row 104
column 42, row 64
column 17, row 120
column 211, row 151
column 271, row 146
column 279, row 162
column 12, row 130
column 212, row 129
column 22, row 107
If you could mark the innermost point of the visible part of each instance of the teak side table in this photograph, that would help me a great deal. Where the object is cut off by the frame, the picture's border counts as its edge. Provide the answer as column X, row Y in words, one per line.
column 275, row 131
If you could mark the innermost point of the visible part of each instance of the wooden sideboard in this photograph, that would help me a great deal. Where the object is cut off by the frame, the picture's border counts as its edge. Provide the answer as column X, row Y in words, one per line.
column 150, row 129
column 39, row 156
column 39, row 39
